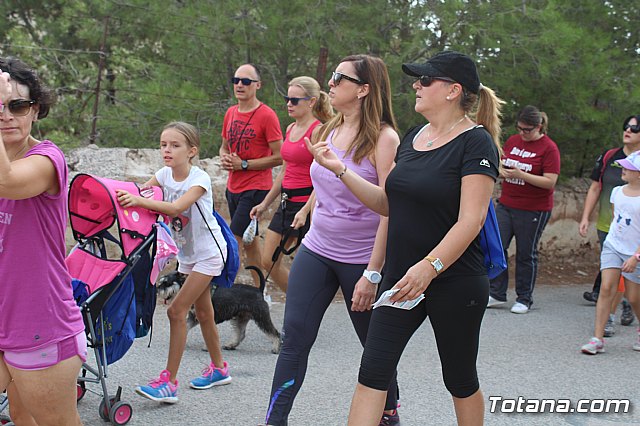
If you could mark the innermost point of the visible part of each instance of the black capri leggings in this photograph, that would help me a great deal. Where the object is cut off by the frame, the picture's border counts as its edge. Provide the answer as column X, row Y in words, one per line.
column 455, row 306
column 313, row 282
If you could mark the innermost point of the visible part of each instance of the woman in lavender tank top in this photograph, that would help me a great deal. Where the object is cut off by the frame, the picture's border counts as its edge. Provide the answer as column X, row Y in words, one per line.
column 344, row 247
column 42, row 340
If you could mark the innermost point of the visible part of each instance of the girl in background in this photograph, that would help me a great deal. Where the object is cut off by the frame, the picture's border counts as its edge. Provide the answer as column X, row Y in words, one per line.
column 620, row 252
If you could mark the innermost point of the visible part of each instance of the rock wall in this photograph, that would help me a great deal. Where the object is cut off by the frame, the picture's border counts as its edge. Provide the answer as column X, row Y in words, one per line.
column 561, row 237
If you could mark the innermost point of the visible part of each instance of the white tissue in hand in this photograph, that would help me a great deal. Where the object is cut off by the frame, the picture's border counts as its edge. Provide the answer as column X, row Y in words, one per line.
column 384, row 300
column 250, row 232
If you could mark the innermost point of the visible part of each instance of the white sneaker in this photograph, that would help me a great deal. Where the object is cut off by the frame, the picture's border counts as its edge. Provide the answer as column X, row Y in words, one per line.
column 519, row 308
column 609, row 327
column 636, row 345
column 494, row 302
column 595, row 346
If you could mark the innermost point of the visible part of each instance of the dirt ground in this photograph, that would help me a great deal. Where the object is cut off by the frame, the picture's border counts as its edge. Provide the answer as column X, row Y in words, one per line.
column 579, row 268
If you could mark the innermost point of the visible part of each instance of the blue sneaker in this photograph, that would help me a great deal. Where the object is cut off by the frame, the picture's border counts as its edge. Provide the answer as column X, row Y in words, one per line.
column 212, row 376
column 160, row 389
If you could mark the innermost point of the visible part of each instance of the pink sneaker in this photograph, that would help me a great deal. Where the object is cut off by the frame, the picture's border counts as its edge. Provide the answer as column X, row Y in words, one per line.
column 594, row 346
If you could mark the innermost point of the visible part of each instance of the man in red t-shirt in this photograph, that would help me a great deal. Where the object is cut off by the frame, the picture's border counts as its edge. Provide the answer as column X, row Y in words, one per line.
column 251, row 141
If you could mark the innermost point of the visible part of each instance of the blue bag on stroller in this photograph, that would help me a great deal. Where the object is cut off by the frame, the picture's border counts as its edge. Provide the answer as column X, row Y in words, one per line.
column 119, row 322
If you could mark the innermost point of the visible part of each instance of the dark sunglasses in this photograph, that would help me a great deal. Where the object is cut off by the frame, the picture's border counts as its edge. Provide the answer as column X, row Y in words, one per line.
column 338, row 76
column 634, row 129
column 294, row 101
column 18, row 107
column 245, row 81
column 427, row 80
column 525, row 130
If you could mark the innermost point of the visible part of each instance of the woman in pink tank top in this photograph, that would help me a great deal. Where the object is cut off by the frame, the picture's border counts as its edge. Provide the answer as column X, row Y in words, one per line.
column 42, row 340
column 310, row 107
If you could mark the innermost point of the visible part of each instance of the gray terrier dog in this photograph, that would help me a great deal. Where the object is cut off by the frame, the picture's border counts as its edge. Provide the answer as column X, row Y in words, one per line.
column 238, row 304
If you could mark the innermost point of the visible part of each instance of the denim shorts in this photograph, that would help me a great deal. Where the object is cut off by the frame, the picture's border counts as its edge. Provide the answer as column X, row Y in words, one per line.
column 49, row 355
column 610, row 258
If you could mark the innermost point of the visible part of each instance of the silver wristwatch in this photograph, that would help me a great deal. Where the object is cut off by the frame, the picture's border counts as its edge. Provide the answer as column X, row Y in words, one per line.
column 374, row 277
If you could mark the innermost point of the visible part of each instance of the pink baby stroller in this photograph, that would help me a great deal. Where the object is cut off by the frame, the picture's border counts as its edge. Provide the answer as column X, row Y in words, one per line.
column 110, row 267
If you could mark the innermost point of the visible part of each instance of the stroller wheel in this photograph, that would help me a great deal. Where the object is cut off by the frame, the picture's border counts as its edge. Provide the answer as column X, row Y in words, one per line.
column 121, row 413
column 81, row 389
column 103, row 410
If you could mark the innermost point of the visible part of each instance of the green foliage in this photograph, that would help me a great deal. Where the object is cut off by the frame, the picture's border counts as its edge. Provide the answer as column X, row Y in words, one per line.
column 172, row 59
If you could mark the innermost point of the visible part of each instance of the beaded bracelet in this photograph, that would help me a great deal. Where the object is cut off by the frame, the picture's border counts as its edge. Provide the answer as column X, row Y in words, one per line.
column 339, row 176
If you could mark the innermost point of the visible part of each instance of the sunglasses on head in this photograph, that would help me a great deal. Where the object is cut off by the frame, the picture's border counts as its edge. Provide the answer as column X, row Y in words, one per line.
column 338, row 76
column 245, row 81
column 634, row 129
column 427, row 80
column 525, row 130
column 294, row 101
column 18, row 107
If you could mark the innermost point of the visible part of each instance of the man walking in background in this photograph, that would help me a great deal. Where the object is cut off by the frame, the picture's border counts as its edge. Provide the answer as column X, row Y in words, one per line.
column 251, row 141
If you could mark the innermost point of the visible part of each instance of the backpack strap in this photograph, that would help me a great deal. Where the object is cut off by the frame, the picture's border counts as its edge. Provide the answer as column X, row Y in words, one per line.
column 605, row 160
column 224, row 260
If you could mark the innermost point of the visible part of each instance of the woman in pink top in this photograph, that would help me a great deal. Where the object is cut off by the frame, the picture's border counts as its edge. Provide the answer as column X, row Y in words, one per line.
column 309, row 106
column 42, row 339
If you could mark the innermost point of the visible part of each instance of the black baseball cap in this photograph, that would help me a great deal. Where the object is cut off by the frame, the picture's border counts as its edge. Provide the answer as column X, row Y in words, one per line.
column 454, row 65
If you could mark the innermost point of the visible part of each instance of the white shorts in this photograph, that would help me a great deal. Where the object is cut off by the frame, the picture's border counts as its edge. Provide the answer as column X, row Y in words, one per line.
column 211, row 266
column 610, row 258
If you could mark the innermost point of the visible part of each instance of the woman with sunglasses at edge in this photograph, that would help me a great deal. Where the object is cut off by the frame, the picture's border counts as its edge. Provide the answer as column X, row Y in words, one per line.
column 42, row 338
column 344, row 248
column 436, row 199
column 310, row 107
column 606, row 175
column 531, row 167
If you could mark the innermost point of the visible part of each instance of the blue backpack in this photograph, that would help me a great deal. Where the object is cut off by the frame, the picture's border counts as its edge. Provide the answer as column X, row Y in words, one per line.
column 231, row 257
column 491, row 244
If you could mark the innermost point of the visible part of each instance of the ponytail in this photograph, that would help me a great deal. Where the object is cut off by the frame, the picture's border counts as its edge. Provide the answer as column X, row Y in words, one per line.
column 487, row 113
column 323, row 110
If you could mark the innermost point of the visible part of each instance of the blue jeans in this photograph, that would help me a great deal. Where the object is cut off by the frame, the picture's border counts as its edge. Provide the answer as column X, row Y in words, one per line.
column 526, row 226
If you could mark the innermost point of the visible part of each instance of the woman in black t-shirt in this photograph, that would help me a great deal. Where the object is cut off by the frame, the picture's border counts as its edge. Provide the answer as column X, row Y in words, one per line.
column 436, row 198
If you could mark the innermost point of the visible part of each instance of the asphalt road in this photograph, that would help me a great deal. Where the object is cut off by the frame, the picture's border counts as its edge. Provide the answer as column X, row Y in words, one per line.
column 530, row 356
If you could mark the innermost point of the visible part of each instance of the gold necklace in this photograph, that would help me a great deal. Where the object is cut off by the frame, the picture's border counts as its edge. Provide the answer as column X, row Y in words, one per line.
column 430, row 142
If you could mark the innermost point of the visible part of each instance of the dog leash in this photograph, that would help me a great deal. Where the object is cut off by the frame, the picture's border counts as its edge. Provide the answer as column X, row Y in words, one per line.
column 285, row 194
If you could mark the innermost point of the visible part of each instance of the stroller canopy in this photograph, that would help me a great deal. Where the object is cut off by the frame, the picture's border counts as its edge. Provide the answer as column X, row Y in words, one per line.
column 93, row 208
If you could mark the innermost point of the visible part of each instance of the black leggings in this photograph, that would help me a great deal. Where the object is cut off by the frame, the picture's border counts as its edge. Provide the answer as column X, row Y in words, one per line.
column 455, row 306
column 313, row 283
